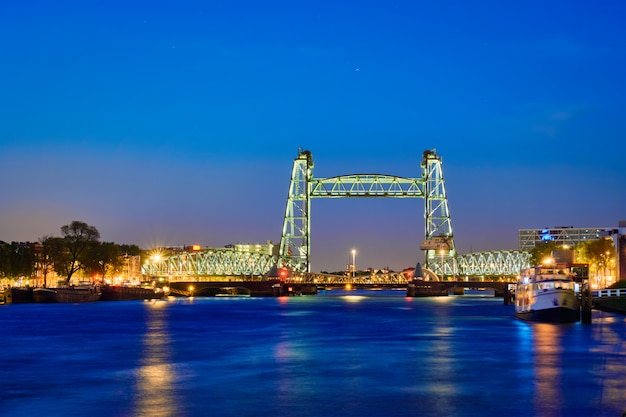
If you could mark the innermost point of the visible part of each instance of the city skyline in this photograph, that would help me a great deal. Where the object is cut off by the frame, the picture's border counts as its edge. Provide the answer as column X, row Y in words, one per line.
column 178, row 124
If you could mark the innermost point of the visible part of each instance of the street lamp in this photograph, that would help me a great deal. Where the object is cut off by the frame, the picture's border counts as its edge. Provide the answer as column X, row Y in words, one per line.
column 353, row 263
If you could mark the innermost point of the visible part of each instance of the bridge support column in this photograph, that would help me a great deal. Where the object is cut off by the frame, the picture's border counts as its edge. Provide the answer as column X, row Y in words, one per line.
column 507, row 295
column 410, row 290
column 585, row 303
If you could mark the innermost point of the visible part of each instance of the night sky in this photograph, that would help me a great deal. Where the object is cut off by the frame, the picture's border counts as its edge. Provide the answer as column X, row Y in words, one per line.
column 174, row 123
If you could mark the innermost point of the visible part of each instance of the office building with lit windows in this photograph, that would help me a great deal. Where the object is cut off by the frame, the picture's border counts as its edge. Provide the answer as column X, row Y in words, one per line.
column 567, row 235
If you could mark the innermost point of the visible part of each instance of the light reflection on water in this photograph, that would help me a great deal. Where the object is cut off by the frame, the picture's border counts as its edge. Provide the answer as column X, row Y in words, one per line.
column 547, row 347
column 335, row 354
column 354, row 298
column 155, row 376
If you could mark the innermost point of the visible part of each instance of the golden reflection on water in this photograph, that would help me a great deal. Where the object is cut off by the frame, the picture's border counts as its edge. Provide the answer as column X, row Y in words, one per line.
column 354, row 298
column 547, row 365
column 154, row 390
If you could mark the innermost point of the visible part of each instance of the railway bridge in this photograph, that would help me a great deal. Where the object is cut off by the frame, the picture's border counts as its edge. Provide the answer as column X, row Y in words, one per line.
column 294, row 251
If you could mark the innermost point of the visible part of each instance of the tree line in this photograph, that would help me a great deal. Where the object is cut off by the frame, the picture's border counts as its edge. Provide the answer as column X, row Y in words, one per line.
column 77, row 249
column 599, row 253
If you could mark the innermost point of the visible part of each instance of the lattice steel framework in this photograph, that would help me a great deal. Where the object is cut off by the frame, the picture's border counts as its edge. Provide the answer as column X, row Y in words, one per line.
column 494, row 263
column 437, row 216
column 226, row 261
column 215, row 262
column 295, row 240
column 390, row 278
column 295, row 244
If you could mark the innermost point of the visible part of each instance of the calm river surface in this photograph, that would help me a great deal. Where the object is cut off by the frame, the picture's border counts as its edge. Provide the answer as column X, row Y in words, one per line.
column 358, row 353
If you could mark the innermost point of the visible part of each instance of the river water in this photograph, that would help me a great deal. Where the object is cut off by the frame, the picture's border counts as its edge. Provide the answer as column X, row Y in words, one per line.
column 338, row 353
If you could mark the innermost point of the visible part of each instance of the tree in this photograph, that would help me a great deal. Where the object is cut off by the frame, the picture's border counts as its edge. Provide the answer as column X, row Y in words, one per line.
column 58, row 256
column 43, row 257
column 69, row 252
column 23, row 259
column 597, row 253
column 103, row 258
column 131, row 250
column 543, row 250
column 16, row 260
column 4, row 259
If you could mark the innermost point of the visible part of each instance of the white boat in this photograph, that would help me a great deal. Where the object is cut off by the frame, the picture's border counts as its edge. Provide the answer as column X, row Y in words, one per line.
column 547, row 294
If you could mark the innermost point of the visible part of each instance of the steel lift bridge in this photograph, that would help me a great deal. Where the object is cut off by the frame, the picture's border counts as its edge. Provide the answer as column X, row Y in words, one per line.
column 441, row 258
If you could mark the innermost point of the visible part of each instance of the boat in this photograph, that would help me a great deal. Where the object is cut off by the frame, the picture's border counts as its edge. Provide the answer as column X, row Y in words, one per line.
column 16, row 295
column 72, row 294
column 123, row 293
column 547, row 294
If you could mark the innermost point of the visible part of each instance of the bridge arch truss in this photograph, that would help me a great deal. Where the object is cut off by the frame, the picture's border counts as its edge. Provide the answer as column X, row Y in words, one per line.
column 493, row 263
column 215, row 262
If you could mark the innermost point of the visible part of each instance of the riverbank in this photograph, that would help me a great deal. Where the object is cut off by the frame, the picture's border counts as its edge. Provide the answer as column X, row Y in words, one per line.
column 615, row 305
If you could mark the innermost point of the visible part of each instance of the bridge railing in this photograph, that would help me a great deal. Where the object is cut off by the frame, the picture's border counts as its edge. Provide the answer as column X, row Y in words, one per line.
column 392, row 278
column 618, row 292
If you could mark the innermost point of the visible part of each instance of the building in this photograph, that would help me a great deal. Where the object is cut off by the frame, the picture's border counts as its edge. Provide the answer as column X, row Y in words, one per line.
column 565, row 235
column 619, row 235
column 268, row 248
column 570, row 236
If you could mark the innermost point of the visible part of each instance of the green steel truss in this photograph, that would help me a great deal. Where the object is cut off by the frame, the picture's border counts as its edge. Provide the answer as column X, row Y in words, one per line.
column 494, row 263
column 366, row 186
column 295, row 240
column 437, row 216
column 295, row 243
column 228, row 262
column 214, row 262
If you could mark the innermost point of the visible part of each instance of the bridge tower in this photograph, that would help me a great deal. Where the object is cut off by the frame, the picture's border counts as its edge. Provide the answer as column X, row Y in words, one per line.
column 295, row 242
column 438, row 225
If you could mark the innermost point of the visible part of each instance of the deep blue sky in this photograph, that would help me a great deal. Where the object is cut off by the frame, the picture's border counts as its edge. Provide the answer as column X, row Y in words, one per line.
column 177, row 122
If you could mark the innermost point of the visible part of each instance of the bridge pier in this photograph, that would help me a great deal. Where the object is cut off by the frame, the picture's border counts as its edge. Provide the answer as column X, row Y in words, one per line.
column 410, row 290
column 585, row 303
column 509, row 296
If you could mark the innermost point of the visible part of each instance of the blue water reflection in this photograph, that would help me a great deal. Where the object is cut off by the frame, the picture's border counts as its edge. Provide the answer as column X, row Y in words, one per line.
column 338, row 353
